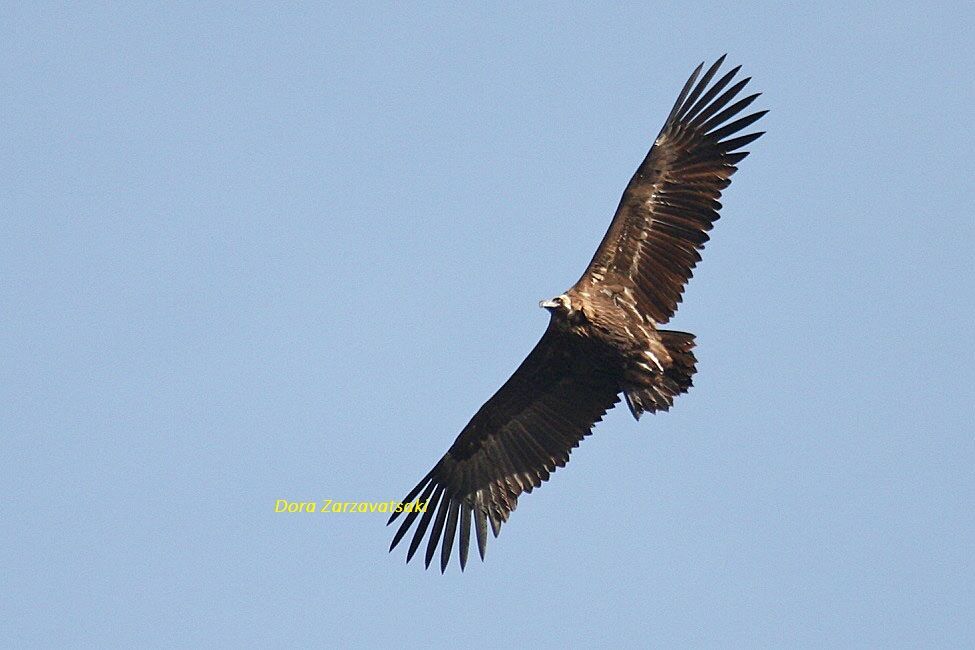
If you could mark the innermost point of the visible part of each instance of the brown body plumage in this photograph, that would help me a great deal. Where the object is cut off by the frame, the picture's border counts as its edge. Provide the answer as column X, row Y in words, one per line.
column 603, row 337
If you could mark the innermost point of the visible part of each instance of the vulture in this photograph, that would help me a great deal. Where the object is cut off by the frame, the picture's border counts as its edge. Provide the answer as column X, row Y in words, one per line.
column 603, row 338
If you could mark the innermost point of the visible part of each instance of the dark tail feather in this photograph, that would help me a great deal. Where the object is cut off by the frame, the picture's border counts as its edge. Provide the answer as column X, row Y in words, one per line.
column 676, row 378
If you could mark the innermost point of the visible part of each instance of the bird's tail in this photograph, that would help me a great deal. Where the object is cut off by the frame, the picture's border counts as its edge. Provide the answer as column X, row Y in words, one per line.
column 675, row 379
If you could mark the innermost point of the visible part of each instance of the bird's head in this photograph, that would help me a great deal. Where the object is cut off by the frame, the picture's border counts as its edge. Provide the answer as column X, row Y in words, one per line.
column 559, row 305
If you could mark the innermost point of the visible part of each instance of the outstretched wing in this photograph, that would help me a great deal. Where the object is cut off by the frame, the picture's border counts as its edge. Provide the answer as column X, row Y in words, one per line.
column 520, row 436
column 671, row 202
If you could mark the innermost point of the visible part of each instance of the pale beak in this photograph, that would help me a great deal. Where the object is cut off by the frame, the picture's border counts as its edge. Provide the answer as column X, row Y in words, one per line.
column 548, row 304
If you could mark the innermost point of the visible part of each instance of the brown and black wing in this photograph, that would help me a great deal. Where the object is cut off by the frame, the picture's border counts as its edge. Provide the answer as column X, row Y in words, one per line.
column 512, row 444
column 671, row 202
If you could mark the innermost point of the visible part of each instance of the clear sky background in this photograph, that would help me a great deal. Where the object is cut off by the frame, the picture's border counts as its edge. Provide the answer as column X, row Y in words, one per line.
column 254, row 252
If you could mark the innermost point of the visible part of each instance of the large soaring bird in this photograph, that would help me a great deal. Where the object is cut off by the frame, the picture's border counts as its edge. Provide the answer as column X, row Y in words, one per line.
column 603, row 338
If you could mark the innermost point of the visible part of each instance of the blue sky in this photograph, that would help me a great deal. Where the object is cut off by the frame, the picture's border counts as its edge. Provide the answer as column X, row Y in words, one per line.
column 252, row 253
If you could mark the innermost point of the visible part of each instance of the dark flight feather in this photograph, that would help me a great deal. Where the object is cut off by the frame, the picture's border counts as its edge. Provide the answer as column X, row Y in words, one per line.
column 666, row 210
column 548, row 405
